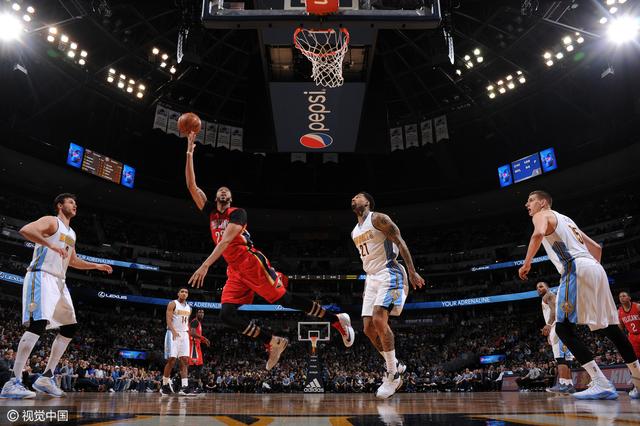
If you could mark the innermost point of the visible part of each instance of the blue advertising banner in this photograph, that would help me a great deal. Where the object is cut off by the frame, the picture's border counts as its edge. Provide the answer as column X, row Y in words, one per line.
column 309, row 118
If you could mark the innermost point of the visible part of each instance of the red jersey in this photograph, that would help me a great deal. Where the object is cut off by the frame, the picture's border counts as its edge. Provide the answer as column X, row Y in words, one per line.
column 630, row 319
column 218, row 222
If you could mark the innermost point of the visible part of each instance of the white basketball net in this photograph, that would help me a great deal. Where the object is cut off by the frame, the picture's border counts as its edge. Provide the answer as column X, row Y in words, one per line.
column 325, row 49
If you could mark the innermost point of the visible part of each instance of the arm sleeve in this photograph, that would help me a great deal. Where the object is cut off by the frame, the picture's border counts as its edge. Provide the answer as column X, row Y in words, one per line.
column 239, row 217
column 208, row 208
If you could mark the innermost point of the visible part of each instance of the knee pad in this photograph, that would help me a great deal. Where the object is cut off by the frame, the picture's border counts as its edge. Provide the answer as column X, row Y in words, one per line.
column 68, row 330
column 37, row 327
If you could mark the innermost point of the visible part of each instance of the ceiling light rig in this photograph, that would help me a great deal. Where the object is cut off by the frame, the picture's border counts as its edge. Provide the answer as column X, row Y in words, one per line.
column 68, row 47
column 569, row 44
column 470, row 60
column 126, row 84
column 14, row 20
column 163, row 60
column 620, row 23
column 506, row 84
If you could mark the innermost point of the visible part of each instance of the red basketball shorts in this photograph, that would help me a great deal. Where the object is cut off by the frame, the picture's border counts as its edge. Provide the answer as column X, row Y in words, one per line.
column 253, row 275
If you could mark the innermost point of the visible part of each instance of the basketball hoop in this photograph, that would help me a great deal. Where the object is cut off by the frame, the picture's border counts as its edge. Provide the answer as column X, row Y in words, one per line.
column 314, row 342
column 326, row 50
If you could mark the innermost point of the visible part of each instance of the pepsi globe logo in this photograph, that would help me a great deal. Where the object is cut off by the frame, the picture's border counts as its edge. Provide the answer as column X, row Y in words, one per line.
column 316, row 140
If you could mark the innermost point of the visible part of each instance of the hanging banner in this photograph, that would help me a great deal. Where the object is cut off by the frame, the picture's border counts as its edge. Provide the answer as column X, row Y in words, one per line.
column 442, row 132
column 172, row 126
column 426, row 129
column 395, row 137
column 201, row 133
column 224, row 134
column 211, row 133
column 330, row 158
column 236, row 138
column 298, row 156
column 161, row 118
column 411, row 135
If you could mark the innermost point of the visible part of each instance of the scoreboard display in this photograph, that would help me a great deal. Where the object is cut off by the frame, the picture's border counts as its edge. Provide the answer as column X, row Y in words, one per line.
column 100, row 165
column 527, row 167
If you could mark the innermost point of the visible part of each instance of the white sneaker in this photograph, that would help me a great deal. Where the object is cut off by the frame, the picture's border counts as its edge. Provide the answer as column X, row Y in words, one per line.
column 598, row 390
column 48, row 385
column 14, row 389
column 389, row 386
column 634, row 394
column 349, row 334
column 276, row 347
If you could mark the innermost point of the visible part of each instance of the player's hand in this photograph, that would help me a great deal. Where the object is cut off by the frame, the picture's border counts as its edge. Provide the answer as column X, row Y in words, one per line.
column 416, row 280
column 206, row 341
column 62, row 252
column 197, row 279
column 104, row 268
column 524, row 271
column 191, row 142
column 546, row 330
column 174, row 334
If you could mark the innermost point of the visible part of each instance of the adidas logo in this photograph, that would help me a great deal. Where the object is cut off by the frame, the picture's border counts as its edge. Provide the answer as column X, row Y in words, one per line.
column 314, row 387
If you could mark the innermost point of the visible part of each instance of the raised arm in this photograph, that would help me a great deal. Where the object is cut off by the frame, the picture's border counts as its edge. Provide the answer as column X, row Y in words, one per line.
column 77, row 263
column 384, row 224
column 198, row 195
column 38, row 231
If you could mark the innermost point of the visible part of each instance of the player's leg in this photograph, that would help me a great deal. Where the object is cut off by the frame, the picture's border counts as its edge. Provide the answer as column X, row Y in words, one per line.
column 184, row 375
column 170, row 354
column 14, row 388
column 625, row 348
column 64, row 316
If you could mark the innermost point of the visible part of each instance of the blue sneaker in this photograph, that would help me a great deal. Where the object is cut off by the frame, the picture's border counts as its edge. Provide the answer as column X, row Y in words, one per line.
column 558, row 388
column 14, row 389
column 48, row 385
column 634, row 394
column 604, row 390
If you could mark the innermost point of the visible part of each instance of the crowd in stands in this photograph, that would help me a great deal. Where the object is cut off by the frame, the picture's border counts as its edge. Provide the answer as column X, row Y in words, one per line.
column 439, row 357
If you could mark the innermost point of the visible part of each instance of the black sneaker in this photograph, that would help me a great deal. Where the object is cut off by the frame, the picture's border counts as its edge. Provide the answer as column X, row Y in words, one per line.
column 186, row 391
column 166, row 389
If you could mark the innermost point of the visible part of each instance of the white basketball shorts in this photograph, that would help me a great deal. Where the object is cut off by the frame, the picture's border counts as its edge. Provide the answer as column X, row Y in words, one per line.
column 46, row 297
column 584, row 296
column 388, row 288
column 176, row 348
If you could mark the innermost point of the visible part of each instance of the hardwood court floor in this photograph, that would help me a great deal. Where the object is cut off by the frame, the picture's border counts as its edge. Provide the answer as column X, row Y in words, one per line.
column 487, row 409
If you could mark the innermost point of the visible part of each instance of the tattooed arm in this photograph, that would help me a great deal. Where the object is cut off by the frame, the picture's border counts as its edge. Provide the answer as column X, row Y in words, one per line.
column 197, row 194
column 384, row 224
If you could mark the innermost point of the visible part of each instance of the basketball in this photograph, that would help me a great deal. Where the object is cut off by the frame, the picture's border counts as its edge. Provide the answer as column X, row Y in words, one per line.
column 189, row 122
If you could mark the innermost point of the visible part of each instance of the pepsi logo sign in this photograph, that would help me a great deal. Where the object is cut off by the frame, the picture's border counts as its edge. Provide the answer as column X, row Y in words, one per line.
column 316, row 140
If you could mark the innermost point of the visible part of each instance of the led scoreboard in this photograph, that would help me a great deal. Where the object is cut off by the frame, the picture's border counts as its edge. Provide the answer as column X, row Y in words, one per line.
column 100, row 165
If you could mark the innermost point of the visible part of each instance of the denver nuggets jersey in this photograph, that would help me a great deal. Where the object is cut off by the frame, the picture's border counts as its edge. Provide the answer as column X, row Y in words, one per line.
column 181, row 314
column 375, row 250
column 45, row 259
column 565, row 243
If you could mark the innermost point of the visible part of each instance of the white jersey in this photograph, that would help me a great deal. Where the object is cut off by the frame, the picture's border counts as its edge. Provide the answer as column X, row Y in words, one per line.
column 181, row 314
column 47, row 260
column 546, row 312
column 376, row 251
column 565, row 243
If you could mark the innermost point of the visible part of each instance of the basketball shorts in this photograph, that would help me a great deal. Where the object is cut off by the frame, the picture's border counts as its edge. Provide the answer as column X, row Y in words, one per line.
column 46, row 297
column 559, row 348
column 195, row 354
column 253, row 275
column 584, row 296
column 635, row 342
column 176, row 348
column 388, row 288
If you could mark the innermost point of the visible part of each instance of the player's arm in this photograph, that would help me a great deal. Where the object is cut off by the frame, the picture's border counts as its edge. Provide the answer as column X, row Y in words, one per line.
column 232, row 231
column 39, row 230
column 169, row 317
column 550, row 300
column 194, row 333
column 198, row 195
column 540, row 223
column 384, row 224
column 594, row 248
column 621, row 323
column 77, row 263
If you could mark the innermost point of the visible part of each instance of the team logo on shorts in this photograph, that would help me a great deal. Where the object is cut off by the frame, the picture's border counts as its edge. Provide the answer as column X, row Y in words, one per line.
column 316, row 140
column 567, row 307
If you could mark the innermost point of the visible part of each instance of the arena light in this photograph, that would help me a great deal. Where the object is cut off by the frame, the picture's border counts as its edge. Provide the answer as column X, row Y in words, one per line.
column 139, row 95
column 120, row 84
column 53, row 30
column 112, row 71
column 569, row 48
column 458, row 72
column 82, row 62
column 129, row 89
column 10, row 27
column 71, row 54
column 155, row 50
column 549, row 63
column 172, row 70
column 64, row 38
column 507, row 82
column 26, row 18
column 110, row 79
column 164, row 56
column 141, row 87
column 83, row 53
column 559, row 55
column 623, row 29
column 492, row 95
column 15, row 7
column 126, row 84
column 51, row 38
column 73, row 45
column 163, row 65
column 31, row 10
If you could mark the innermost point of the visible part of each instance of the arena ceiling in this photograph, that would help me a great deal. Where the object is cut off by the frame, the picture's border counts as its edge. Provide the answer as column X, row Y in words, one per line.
column 584, row 104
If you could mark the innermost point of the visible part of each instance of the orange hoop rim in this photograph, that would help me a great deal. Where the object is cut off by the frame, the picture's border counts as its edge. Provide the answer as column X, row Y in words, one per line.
column 328, row 30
